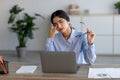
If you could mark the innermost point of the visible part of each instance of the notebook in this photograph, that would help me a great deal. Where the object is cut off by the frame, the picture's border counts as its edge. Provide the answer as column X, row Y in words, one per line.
column 26, row 69
column 58, row 62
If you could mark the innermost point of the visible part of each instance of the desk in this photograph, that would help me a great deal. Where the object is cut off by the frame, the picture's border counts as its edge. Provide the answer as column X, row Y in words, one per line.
column 82, row 74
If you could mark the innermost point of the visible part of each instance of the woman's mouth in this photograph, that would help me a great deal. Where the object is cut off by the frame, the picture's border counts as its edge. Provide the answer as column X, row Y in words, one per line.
column 61, row 29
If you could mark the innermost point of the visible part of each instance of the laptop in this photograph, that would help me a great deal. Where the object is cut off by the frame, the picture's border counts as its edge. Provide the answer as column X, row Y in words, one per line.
column 58, row 62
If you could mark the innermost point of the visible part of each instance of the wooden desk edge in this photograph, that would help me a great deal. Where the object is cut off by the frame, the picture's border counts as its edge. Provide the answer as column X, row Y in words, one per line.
column 49, row 78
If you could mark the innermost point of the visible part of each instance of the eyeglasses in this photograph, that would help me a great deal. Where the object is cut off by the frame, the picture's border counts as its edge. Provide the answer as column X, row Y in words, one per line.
column 84, row 26
column 85, row 32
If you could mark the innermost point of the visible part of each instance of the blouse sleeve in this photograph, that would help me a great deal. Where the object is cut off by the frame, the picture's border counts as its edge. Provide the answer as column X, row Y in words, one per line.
column 50, row 44
column 89, row 52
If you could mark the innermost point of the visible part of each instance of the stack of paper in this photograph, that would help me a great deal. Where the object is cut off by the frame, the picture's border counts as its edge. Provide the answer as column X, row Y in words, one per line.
column 104, row 73
column 26, row 69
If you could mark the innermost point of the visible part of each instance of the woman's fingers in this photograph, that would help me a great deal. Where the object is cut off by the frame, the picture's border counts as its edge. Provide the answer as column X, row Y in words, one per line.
column 52, row 32
column 90, row 36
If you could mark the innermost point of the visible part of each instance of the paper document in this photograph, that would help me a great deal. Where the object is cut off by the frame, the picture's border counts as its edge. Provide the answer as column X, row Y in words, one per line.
column 26, row 69
column 104, row 73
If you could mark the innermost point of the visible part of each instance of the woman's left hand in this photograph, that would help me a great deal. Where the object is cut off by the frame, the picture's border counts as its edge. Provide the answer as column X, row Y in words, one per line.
column 90, row 36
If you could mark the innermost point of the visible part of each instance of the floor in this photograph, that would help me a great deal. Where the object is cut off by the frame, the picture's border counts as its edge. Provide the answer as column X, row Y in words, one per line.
column 35, row 58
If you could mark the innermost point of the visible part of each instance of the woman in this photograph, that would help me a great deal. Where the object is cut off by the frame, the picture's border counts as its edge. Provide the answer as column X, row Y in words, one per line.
column 69, row 39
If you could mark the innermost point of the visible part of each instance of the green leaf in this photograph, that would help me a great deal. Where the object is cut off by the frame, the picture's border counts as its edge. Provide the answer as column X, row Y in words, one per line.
column 11, row 19
column 117, row 4
column 15, row 9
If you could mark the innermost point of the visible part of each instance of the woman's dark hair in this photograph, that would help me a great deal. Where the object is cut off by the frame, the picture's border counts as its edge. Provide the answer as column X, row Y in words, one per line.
column 61, row 14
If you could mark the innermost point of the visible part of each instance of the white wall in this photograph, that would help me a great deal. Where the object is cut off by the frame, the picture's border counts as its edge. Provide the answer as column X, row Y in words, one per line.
column 8, row 40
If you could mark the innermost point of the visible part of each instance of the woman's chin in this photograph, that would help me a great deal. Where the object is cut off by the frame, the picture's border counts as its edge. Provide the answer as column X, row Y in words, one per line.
column 62, row 31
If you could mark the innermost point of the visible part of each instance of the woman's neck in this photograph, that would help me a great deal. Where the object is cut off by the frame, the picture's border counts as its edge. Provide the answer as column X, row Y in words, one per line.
column 67, row 34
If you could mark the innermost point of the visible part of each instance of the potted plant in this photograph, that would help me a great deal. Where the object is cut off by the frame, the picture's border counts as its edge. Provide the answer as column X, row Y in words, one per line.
column 117, row 6
column 23, row 25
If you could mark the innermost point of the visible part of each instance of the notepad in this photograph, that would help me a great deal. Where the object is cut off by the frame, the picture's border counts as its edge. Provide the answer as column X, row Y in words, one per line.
column 104, row 73
column 26, row 69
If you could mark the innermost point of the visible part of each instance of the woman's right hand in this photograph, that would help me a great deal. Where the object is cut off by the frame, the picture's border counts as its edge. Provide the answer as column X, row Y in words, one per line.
column 52, row 32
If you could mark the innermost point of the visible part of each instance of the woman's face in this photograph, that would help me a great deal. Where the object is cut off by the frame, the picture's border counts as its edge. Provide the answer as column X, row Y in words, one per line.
column 61, row 24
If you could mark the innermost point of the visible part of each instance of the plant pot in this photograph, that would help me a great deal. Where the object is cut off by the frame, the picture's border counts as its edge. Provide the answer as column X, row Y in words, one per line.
column 118, row 10
column 21, row 52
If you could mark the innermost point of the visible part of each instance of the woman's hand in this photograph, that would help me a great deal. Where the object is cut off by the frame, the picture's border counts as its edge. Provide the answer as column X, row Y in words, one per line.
column 90, row 36
column 52, row 32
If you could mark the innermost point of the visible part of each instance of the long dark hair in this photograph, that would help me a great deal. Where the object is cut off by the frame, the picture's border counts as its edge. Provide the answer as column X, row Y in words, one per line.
column 61, row 14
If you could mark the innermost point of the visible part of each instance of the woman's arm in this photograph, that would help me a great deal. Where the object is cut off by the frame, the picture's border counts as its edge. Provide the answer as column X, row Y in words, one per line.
column 89, row 51
column 90, row 55
column 50, row 44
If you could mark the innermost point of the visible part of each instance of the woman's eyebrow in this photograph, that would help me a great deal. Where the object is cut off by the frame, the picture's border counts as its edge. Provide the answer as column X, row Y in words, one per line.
column 58, row 21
